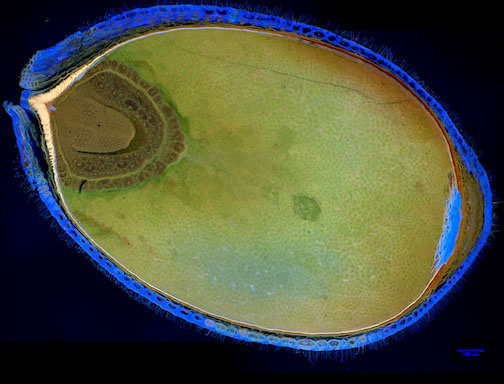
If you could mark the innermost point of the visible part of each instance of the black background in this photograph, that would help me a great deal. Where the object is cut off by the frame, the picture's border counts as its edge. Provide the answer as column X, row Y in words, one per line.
column 56, row 304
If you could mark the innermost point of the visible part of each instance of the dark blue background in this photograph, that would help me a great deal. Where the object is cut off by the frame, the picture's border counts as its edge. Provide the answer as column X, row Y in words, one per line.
column 55, row 303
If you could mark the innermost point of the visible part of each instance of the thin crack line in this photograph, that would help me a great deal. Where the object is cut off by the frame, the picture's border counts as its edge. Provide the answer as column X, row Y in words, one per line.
column 291, row 75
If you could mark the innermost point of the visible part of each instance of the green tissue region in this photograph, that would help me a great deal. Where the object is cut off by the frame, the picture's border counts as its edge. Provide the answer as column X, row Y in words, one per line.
column 306, row 208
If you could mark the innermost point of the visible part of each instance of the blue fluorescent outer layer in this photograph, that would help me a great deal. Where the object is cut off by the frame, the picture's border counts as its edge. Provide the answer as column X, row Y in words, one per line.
column 52, row 62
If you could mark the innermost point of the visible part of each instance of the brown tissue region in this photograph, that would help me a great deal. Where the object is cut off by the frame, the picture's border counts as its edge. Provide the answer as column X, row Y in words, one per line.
column 113, row 130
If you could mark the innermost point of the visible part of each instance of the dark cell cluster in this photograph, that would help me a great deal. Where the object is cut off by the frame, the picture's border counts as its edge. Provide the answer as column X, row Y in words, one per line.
column 109, row 99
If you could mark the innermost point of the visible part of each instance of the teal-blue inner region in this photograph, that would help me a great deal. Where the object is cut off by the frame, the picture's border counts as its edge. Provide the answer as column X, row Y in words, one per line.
column 452, row 219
